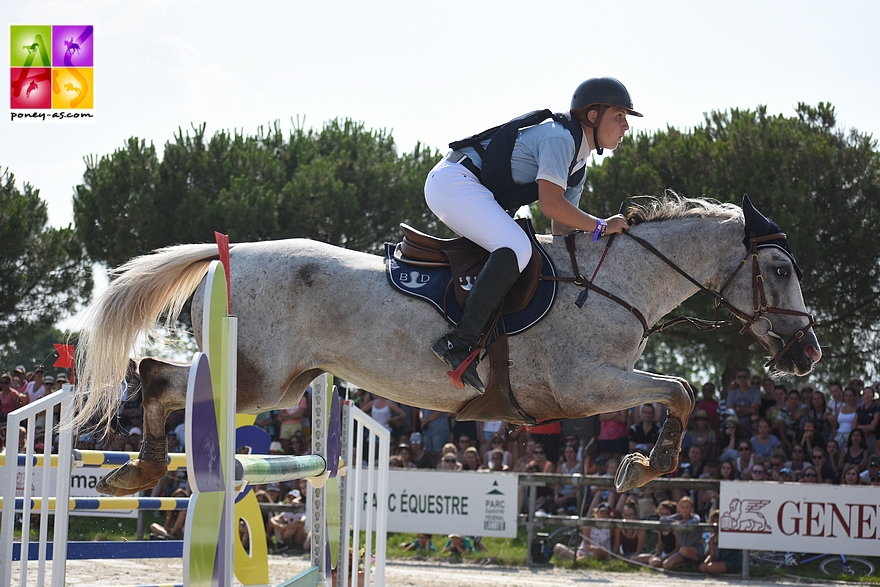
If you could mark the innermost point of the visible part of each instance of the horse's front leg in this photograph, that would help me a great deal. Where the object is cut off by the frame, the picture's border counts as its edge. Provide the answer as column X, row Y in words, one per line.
column 639, row 387
column 164, row 390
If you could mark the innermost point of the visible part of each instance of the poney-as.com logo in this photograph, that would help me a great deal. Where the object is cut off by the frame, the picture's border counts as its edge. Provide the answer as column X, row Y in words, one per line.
column 51, row 72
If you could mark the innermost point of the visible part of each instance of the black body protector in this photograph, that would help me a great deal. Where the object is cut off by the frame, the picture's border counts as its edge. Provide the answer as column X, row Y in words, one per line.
column 496, row 174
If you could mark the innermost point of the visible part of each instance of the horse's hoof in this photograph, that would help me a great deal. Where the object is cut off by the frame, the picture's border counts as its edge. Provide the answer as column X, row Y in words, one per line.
column 132, row 477
column 664, row 456
column 634, row 471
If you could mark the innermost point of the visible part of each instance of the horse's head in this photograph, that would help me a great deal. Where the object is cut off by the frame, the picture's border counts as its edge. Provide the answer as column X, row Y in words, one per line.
column 765, row 294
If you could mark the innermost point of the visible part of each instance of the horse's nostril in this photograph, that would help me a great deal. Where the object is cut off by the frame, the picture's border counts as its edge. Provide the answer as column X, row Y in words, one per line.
column 813, row 353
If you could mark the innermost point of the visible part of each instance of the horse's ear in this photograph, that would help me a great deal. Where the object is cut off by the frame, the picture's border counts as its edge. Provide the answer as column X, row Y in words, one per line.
column 756, row 223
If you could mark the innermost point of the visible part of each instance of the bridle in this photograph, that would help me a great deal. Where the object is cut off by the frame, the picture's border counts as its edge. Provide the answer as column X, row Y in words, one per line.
column 758, row 324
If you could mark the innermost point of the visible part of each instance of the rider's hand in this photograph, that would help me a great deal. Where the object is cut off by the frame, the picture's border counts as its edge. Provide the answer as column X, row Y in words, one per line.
column 616, row 224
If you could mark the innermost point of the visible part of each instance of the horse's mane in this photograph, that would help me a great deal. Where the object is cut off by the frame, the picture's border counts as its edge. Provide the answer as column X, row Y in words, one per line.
column 671, row 206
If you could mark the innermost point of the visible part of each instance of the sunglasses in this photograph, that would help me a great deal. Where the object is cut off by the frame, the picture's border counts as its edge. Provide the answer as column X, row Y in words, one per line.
column 537, row 452
column 757, row 472
column 745, row 448
column 810, row 475
column 448, row 460
column 818, row 457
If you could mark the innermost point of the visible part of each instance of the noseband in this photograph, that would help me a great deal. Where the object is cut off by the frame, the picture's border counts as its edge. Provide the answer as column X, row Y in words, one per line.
column 758, row 324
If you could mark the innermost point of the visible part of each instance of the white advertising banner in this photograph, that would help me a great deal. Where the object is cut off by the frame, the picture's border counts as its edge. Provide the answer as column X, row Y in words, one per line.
column 800, row 517
column 443, row 502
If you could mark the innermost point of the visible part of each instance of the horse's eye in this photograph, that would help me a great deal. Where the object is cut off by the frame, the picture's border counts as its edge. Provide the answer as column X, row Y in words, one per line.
column 782, row 271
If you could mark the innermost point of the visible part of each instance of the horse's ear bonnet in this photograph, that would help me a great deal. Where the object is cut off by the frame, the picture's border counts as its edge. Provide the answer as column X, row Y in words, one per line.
column 759, row 225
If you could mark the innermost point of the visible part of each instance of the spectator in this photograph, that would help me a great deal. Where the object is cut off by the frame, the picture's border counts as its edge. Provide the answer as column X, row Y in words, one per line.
column 486, row 431
column 744, row 400
column 565, row 496
column 774, row 464
column 404, row 453
column 708, row 403
column 293, row 419
column 523, row 461
column 730, row 439
column 497, row 443
column 496, row 462
column 10, row 399
column 701, row 435
column 690, row 543
column 458, row 545
column 175, row 521
column 845, row 419
column 423, row 543
column 275, row 448
column 33, row 389
column 836, row 391
column 550, row 436
column 539, row 460
column 471, row 459
column 629, row 543
column 832, row 449
column 422, row 459
column 872, row 469
column 868, row 418
column 646, row 431
column 289, row 531
column 464, row 442
column 757, row 473
column 595, row 542
column 823, row 466
column 296, row 444
column 727, row 471
column 764, row 443
column 387, row 413
column 449, row 462
column 850, row 475
column 613, row 434
column 820, row 412
column 856, row 452
column 809, row 475
column 720, row 560
column 809, row 437
column 695, row 460
column 790, row 419
column 798, row 461
column 435, row 431
column 666, row 543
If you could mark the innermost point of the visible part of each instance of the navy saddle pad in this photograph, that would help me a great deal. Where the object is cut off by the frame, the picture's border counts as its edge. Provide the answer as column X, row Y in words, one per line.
column 433, row 284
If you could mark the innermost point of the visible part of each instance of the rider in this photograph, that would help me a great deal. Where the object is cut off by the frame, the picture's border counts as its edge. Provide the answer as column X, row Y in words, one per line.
column 549, row 155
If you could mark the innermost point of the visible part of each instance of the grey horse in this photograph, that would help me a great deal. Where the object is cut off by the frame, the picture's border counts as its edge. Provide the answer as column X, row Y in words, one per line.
column 306, row 307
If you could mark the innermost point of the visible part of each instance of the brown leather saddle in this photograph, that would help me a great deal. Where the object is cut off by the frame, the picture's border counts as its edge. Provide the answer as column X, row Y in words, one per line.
column 465, row 258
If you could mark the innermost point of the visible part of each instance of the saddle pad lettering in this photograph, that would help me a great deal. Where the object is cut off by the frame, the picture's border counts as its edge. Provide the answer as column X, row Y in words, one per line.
column 433, row 285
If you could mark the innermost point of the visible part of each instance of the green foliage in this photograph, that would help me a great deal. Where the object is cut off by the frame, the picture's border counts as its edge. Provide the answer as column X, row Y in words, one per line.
column 819, row 183
column 46, row 275
column 344, row 185
column 34, row 347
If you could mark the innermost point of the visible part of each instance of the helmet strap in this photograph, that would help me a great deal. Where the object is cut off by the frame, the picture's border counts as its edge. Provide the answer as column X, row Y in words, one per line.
column 600, row 111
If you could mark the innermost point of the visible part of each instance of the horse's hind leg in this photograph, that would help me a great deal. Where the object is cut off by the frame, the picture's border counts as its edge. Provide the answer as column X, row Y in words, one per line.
column 635, row 469
column 164, row 390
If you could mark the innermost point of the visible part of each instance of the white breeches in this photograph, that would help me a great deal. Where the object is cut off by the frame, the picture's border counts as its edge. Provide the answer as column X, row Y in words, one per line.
column 466, row 206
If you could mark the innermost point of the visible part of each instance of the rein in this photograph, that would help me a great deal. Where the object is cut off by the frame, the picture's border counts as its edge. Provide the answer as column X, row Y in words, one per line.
column 760, row 306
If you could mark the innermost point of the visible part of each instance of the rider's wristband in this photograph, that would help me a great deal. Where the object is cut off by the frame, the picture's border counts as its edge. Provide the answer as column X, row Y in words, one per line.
column 600, row 229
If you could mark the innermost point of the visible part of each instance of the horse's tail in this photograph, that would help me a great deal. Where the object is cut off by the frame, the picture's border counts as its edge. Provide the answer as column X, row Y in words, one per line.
column 144, row 289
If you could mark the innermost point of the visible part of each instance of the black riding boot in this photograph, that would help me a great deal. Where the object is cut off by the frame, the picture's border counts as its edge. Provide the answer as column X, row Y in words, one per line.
column 494, row 281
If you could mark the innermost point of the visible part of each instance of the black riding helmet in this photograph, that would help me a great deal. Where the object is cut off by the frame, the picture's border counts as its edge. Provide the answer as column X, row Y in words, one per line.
column 602, row 92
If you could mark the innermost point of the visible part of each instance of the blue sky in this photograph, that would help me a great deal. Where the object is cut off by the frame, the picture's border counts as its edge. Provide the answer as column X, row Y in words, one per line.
column 433, row 72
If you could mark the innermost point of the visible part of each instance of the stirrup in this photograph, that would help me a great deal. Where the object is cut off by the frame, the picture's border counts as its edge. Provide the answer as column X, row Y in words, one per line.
column 465, row 371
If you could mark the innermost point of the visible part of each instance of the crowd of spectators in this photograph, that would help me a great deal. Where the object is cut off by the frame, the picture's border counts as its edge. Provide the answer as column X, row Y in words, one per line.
column 753, row 430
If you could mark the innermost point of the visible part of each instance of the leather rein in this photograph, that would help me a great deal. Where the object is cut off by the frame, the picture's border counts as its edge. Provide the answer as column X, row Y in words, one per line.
column 760, row 306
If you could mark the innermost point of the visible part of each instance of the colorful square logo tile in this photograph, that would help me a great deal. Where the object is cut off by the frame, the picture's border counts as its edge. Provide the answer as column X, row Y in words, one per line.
column 30, row 88
column 72, row 46
column 73, row 87
column 30, row 46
